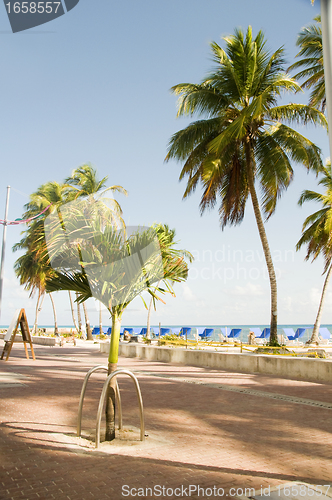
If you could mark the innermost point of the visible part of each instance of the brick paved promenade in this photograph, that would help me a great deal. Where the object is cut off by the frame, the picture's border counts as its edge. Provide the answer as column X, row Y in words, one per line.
column 205, row 427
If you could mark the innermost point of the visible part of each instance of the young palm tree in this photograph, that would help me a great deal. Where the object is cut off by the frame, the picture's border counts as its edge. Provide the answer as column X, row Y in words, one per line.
column 243, row 140
column 317, row 235
column 311, row 63
column 114, row 268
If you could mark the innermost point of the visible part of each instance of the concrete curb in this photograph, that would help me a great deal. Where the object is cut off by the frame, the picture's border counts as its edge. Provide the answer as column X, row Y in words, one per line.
column 36, row 339
column 310, row 369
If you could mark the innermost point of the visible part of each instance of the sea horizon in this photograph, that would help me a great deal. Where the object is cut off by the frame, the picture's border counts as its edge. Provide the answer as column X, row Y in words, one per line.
column 217, row 328
column 186, row 325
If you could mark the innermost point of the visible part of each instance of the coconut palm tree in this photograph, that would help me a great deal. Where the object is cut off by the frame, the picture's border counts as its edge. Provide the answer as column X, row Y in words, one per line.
column 84, row 182
column 244, row 139
column 311, row 63
column 112, row 267
column 33, row 267
column 317, row 235
column 32, row 275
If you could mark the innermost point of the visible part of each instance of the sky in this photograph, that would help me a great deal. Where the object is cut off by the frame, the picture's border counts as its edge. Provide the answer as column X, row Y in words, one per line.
column 94, row 86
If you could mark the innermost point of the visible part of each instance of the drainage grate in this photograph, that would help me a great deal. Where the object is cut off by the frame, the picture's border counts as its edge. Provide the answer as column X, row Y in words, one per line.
column 252, row 392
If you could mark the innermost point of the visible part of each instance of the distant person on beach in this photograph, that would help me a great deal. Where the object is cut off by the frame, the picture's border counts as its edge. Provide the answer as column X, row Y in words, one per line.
column 251, row 338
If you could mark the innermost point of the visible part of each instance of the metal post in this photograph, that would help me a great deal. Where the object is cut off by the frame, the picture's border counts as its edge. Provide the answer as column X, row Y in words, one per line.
column 326, row 15
column 4, row 246
column 103, row 397
column 80, row 406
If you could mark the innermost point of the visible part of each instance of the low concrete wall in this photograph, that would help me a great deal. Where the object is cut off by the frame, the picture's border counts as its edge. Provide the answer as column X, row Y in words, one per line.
column 291, row 367
column 36, row 339
column 44, row 340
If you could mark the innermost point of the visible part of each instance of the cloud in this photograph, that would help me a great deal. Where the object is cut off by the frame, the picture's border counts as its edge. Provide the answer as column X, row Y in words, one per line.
column 249, row 290
column 187, row 293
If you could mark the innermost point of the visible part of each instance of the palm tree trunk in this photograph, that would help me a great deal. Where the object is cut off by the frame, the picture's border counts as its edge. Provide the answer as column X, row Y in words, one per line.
column 72, row 311
column 100, row 320
column 36, row 313
column 56, row 331
column 149, row 315
column 79, row 317
column 315, row 332
column 148, row 319
column 87, row 323
column 112, row 366
column 266, row 249
column 39, row 305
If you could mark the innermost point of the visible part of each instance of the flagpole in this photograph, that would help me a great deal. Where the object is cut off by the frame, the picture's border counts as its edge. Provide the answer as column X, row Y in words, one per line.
column 326, row 17
column 4, row 246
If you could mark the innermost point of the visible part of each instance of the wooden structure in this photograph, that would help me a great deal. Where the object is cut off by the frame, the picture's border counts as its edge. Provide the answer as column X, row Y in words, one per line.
column 19, row 320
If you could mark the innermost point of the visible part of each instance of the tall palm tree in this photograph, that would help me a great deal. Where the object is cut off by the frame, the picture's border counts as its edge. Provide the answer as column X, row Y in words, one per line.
column 34, row 266
column 32, row 274
column 244, row 140
column 317, row 235
column 311, row 63
column 84, row 182
column 114, row 268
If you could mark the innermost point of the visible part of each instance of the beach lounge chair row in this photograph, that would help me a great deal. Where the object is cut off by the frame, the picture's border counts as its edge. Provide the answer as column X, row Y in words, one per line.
column 290, row 335
column 324, row 333
column 207, row 333
column 107, row 330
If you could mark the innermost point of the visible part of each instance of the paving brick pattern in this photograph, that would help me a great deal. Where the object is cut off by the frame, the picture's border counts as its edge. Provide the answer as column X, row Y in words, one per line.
column 198, row 435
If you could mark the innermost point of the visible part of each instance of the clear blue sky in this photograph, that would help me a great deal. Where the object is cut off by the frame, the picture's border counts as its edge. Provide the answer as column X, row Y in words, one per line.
column 93, row 86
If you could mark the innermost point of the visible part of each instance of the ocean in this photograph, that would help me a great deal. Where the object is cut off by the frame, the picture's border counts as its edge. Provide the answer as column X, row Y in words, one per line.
column 218, row 329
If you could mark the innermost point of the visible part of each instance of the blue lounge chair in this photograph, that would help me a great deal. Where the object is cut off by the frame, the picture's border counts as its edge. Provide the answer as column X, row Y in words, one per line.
column 289, row 332
column 185, row 331
column 257, row 332
column 176, row 331
column 222, row 335
column 324, row 333
column 129, row 330
column 165, row 331
column 96, row 330
column 265, row 333
column 235, row 333
column 199, row 331
column 207, row 333
column 300, row 333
